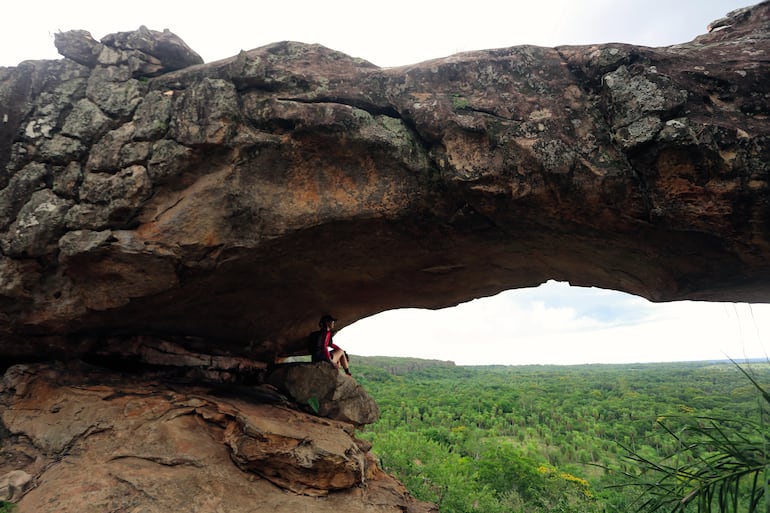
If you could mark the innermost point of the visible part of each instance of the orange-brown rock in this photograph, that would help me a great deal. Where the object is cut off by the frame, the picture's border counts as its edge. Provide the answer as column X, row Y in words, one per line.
column 226, row 205
column 94, row 441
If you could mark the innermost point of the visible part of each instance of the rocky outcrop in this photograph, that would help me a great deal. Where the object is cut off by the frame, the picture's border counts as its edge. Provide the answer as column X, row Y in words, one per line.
column 146, row 194
column 84, row 440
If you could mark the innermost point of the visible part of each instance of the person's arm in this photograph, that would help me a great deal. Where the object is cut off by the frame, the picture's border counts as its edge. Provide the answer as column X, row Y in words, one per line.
column 327, row 341
column 332, row 344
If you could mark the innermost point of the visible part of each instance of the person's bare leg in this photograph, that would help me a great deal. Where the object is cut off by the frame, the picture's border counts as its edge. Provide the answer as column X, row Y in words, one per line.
column 339, row 358
column 344, row 362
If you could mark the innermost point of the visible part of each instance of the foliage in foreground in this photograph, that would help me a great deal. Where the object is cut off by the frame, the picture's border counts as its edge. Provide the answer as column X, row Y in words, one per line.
column 7, row 507
column 718, row 465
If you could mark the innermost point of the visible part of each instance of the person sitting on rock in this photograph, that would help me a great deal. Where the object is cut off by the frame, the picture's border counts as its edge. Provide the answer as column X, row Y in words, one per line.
column 326, row 349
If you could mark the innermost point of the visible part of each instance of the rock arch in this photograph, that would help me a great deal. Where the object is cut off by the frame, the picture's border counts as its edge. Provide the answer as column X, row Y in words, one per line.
column 149, row 197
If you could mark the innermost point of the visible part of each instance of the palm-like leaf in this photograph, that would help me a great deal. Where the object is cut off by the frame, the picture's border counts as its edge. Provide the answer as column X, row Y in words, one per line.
column 720, row 465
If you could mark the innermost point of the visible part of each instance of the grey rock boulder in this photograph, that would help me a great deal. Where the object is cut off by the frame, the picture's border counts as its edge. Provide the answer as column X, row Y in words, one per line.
column 323, row 388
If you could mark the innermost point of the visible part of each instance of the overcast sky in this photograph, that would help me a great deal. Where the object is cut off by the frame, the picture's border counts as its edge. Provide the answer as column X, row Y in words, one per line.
column 554, row 323
column 560, row 324
column 387, row 33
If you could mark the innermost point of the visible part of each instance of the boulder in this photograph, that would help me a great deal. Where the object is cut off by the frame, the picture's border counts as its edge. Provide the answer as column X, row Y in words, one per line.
column 13, row 485
column 326, row 391
column 146, row 52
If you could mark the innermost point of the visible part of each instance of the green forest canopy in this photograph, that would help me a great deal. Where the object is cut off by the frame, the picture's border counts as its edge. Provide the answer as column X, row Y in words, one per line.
column 539, row 437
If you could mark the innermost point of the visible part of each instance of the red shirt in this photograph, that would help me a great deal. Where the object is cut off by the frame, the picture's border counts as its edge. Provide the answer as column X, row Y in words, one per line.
column 328, row 343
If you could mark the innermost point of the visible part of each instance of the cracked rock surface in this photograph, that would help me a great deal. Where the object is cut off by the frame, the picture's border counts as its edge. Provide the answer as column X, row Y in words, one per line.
column 95, row 441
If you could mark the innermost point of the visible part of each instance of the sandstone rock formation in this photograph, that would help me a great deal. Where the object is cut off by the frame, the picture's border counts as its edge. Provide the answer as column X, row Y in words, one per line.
column 184, row 224
column 98, row 441
column 145, row 194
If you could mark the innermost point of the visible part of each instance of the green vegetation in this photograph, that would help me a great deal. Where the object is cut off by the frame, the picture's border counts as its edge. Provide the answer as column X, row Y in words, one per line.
column 459, row 102
column 719, row 464
column 555, row 438
column 7, row 507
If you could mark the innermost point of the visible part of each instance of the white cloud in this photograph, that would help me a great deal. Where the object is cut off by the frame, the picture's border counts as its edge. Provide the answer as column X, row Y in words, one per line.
column 556, row 323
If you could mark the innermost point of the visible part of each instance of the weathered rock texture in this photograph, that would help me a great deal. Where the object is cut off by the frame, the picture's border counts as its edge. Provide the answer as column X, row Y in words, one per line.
column 329, row 393
column 93, row 441
column 226, row 205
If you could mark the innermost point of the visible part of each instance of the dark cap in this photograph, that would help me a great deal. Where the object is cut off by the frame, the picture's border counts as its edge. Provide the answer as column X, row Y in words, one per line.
column 326, row 318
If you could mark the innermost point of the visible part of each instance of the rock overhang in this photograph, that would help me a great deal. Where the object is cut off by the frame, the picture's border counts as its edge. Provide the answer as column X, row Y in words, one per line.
column 227, row 205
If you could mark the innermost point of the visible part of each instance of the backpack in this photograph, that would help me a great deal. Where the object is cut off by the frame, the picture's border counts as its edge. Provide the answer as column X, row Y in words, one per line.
column 315, row 346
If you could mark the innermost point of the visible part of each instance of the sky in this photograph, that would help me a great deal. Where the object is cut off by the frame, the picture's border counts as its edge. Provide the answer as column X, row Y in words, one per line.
column 550, row 324
column 388, row 33
column 556, row 323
